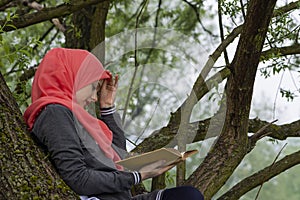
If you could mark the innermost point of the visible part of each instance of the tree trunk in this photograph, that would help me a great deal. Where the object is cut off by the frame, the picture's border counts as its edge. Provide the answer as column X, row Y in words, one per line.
column 232, row 145
column 89, row 29
column 26, row 172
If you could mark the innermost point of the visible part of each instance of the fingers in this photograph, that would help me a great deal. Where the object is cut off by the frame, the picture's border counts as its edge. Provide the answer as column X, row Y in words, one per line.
column 168, row 167
column 158, row 165
column 161, row 170
column 116, row 80
column 154, row 169
column 107, row 92
column 109, row 73
column 153, row 166
column 112, row 81
column 110, row 84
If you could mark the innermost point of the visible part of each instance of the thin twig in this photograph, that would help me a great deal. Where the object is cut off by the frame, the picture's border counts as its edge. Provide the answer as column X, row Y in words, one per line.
column 222, row 31
column 270, row 169
column 148, row 56
column 260, row 133
column 243, row 9
column 135, row 62
column 276, row 96
column 148, row 122
column 194, row 7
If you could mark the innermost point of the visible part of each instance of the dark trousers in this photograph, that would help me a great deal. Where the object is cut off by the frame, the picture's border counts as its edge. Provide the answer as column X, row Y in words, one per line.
column 182, row 193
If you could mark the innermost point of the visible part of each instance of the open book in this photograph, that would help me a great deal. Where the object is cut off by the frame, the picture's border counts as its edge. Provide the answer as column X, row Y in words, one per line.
column 170, row 155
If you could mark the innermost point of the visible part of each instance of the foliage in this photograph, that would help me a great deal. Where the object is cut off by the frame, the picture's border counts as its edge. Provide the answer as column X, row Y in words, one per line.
column 21, row 51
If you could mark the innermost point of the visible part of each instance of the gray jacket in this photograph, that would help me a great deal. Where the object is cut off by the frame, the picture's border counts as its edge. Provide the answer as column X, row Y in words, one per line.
column 78, row 159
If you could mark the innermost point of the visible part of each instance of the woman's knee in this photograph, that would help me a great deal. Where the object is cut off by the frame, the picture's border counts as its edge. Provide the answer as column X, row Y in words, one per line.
column 183, row 192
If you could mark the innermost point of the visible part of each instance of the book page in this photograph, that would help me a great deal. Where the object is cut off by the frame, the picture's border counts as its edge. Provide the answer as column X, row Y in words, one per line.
column 137, row 162
column 184, row 156
column 168, row 154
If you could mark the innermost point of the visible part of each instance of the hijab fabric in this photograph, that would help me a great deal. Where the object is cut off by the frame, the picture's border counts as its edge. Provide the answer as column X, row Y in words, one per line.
column 61, row 73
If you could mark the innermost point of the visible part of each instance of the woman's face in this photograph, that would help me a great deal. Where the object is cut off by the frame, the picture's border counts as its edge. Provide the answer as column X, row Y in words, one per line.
column 88, row 94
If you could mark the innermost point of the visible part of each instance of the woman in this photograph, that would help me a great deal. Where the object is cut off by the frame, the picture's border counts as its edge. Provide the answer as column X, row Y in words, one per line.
column 82, row 148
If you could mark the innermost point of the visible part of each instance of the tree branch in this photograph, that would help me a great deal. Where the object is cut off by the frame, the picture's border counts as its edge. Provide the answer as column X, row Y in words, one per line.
column 282, row 51
column 163, row 136
column 279, row 132
column 222, row 31
column 261, row 133
column 3, row 3
column 168, row 132
column 262, row 176
column 287, row 8
column 47, row 14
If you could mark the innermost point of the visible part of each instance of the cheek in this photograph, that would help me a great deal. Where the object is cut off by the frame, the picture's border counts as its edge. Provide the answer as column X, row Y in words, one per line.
column 79, row 96
column 83, row 94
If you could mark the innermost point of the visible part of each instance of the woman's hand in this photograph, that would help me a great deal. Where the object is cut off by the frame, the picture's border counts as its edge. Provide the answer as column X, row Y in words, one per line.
column 154, row 169
column 108, row 90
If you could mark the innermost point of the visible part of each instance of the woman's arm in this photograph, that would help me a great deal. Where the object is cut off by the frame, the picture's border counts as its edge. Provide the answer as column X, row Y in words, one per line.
column 107, row 95
column 55, row 128
column 113, row 120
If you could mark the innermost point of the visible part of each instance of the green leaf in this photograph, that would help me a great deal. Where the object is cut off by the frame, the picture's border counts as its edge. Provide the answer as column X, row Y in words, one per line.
column 27, row 53
column 13, row 26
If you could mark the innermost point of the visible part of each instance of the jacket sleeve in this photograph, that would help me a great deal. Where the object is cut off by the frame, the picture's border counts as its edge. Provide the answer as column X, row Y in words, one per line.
column 113, row 120
column 55, row 129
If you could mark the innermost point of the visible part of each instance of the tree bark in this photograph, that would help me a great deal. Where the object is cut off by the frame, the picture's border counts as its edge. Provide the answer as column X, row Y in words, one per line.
column 26, row 172
column 89, row 29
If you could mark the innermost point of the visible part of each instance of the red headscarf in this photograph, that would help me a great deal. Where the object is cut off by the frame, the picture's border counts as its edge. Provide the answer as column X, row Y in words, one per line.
column 61, row 73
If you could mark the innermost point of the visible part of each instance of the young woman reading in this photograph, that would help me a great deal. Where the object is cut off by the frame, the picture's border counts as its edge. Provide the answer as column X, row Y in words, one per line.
column 82, row 148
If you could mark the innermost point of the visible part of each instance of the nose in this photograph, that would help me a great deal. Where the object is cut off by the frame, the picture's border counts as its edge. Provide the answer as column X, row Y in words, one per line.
column 94, row 96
